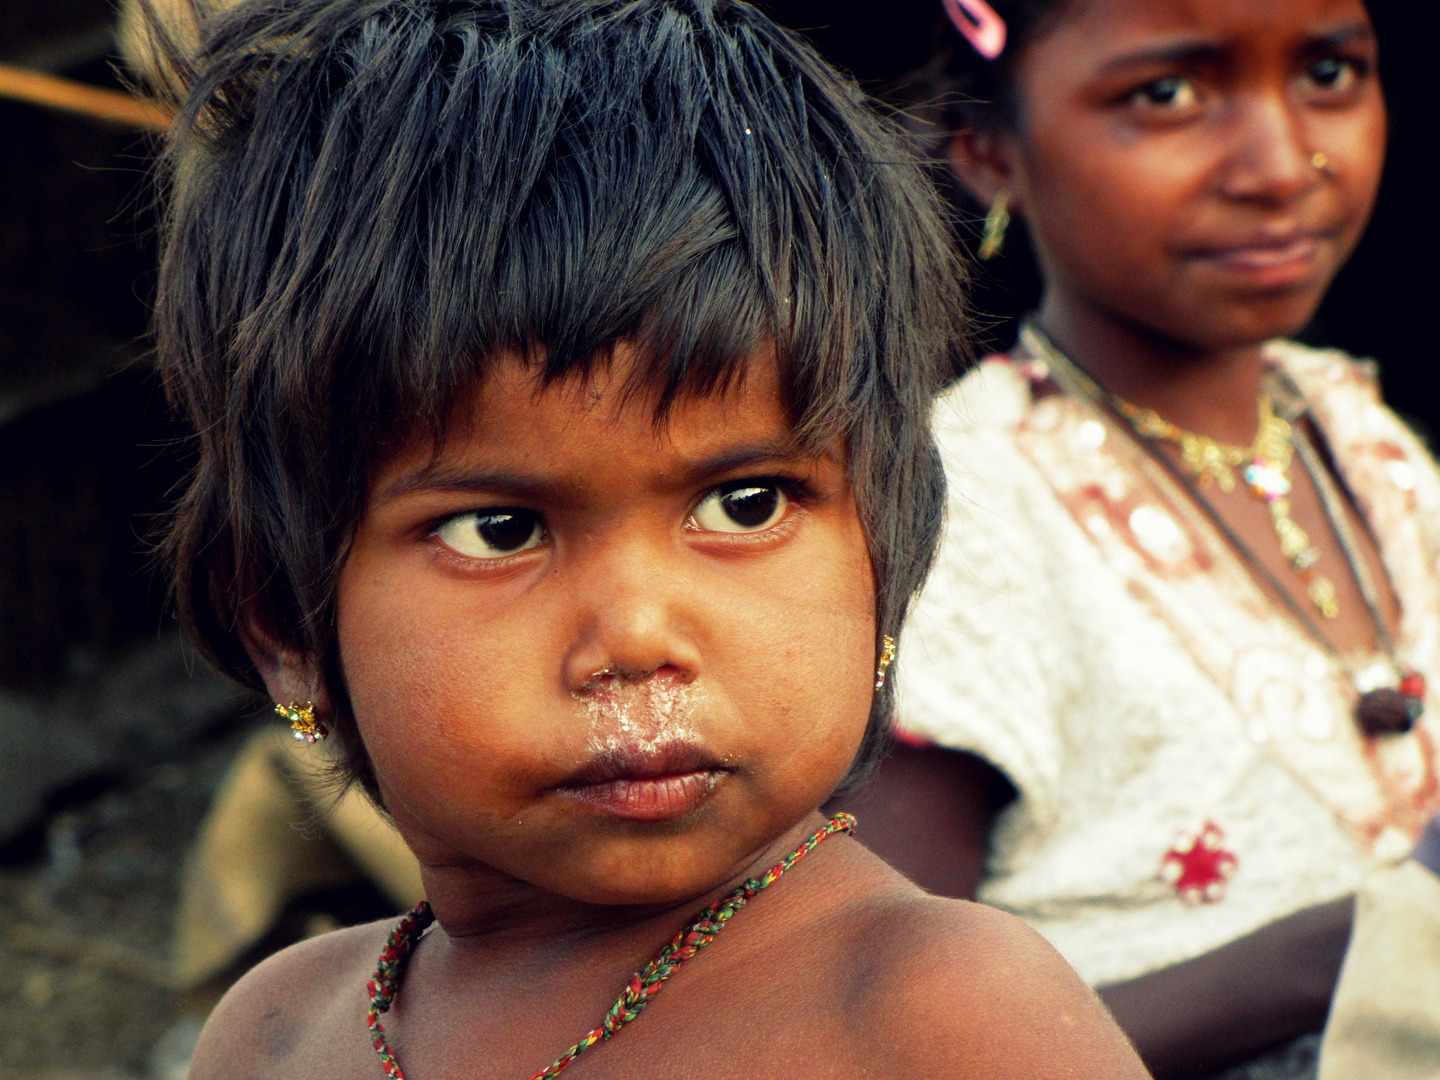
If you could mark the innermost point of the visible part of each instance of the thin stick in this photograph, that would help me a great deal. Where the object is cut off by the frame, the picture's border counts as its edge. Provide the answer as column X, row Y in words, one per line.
column 56, row 93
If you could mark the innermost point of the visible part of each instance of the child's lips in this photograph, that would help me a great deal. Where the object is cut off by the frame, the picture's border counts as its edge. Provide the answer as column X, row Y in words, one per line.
column 646, row 784
column 659, row 798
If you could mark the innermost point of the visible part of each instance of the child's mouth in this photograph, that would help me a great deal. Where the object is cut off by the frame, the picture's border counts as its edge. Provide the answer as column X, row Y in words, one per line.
column 650, row 784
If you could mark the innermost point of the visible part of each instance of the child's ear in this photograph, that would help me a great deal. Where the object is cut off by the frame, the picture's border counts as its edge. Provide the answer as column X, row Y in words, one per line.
column 289, row 677
column 985, row 163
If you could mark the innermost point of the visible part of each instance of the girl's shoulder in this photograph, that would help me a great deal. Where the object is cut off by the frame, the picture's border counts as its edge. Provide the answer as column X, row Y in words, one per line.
column 299, row 1013
column 995, row 395
column 1331, row 376
column 1310, row 362
column 1372, row 443
column 980, row 425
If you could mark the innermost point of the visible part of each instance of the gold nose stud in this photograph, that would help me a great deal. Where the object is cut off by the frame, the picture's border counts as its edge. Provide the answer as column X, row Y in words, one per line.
column 1321, row 162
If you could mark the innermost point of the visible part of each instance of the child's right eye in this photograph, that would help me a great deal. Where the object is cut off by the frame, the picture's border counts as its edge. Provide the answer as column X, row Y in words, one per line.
column 491, row 534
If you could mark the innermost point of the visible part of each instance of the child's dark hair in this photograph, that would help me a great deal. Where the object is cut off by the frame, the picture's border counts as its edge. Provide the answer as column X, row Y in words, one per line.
column 372, row 200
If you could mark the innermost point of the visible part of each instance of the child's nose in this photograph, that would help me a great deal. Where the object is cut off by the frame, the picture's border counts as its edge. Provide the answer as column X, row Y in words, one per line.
column 630, row 617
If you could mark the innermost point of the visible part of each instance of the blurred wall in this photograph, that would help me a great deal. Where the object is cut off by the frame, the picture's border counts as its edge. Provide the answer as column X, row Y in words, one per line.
column 85, row 447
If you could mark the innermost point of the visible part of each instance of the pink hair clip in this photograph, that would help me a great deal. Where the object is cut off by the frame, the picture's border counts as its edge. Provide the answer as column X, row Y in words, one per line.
column 979, row 24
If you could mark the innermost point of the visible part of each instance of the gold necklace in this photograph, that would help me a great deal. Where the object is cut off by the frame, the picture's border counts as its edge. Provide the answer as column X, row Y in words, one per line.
column 1265, row 465
column 1391, row 708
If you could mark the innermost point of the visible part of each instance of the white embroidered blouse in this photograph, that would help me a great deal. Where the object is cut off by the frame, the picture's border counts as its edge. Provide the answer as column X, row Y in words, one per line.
column 1089, row 632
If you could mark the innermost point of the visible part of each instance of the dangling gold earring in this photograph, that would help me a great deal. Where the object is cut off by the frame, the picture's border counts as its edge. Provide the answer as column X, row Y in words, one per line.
column 997, row 220
column 887, row 657
column 301, row 715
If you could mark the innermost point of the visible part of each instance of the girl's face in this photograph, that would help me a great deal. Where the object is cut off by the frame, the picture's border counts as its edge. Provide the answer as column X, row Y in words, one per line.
column 609, row 658
column 1200, row 167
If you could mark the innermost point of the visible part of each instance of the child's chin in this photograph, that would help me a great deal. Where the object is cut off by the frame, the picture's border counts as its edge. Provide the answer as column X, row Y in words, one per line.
column 655, row 864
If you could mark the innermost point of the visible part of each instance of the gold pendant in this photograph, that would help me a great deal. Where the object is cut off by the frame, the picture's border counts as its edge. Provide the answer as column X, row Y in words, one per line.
column 1266, row 465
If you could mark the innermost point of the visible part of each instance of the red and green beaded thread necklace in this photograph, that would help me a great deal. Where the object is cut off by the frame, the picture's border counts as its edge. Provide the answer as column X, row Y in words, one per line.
column 643, row 985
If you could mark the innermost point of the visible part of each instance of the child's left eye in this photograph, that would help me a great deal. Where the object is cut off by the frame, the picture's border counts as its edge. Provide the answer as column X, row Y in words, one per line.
column 744, row 506
column 491, row 534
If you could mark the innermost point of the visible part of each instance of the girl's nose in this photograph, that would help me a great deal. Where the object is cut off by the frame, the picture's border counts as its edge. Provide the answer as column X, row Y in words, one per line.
column 1272, row 161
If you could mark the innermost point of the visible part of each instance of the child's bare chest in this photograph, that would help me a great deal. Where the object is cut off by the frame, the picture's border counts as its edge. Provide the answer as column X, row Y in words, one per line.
column 676, row 1043
column 706, row 1024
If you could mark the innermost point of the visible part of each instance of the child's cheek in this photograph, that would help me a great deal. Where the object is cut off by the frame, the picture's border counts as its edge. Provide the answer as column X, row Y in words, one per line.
column 432, row 683
column 803, row 672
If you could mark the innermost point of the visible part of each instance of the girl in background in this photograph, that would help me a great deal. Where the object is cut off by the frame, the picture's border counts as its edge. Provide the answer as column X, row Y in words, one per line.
column 1167, row 692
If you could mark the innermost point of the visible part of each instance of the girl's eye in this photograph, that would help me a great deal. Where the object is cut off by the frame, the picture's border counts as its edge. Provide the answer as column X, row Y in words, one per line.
column 491, row 534
column 1333, row 73
column 1173, row 93
column 745, row 506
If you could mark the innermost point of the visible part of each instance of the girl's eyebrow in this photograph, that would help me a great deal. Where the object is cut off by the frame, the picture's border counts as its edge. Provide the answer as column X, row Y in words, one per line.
column 1190, row 51
column 1203, row 50
column 438, row 476
column 1353, row 33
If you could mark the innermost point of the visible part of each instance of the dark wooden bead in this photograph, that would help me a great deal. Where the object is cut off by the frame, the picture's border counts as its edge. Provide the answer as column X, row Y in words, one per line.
column 1386, row 712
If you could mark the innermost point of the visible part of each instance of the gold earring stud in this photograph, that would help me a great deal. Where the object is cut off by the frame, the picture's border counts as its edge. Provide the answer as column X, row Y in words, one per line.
column 301, row 715
column 887, row 657
column 997, row 220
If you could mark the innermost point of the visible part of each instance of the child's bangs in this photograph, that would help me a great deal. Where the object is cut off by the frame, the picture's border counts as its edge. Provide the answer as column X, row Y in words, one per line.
column 456, row 189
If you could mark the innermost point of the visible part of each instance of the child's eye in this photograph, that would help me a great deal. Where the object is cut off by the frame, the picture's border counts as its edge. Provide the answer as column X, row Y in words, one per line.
column 1173, row 93
column 491, row 534
column 1334, row 74
column 743, row 506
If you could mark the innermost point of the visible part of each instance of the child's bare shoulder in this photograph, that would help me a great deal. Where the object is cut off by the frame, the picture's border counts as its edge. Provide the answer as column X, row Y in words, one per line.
column 949, row 987
column 299, row 1013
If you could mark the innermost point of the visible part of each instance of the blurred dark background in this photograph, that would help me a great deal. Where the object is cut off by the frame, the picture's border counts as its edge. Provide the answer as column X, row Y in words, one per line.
column 112, row 738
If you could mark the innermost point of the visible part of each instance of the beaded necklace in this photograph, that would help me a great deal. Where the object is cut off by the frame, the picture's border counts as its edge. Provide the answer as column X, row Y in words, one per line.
column 1379, row 709
column 644, row 984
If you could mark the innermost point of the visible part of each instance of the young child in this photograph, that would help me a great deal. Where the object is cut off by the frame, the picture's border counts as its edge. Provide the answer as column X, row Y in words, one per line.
column 1187, row 601
column 562, row 375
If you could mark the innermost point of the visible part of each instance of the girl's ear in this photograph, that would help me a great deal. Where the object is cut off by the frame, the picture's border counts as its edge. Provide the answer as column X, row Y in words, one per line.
column 289, row 678
column 985, row 163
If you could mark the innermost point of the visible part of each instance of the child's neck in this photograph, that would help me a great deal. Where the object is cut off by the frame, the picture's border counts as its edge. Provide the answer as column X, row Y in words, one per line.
column 487, row 913
column 1210, row 391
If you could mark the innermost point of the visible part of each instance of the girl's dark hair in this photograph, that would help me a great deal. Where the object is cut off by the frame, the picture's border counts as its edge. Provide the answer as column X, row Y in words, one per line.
column 372, row 200
column 957, row 88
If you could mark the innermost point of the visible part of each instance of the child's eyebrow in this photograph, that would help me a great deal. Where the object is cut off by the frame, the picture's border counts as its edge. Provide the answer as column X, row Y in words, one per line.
column 450, row 477
column 770, row 452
